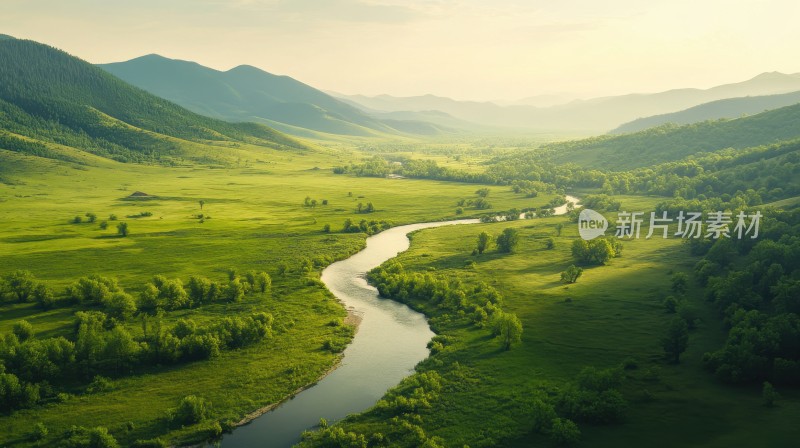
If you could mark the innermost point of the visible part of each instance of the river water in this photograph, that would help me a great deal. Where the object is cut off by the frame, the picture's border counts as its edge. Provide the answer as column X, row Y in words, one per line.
column 390, row 341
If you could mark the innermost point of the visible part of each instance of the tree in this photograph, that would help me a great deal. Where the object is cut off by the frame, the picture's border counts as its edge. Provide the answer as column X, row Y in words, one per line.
column 234, row 292
column 39, row 431
column 173, row 295
column 508, row 240
column 483, row 241
column 120, row 306
column 564, row 432
column 550, row 243
column 263, row 282
column 120, row 350
column 370, row 208
column 326, row 228
column 43, row 296
column 100, row 438
column 149, row 300
column 191, row 410
column 482, row 192
column 93, row 290
column 768, row 394
column 202, row 203
column 23, row 330
column 679, row 282
column 199, row 288
column 676, row 340
column 571, row 274
column 91, row 217
column 122, row 229
column 559, row 227
column 509, row 328
column 596, row 251
column 22, row 284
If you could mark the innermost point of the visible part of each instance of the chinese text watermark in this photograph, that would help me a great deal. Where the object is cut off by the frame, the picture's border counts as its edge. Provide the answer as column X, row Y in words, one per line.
column 592, row 224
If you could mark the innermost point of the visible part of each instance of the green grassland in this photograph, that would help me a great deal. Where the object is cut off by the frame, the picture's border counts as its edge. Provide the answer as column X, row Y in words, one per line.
column 254, row 219
column 613, row 313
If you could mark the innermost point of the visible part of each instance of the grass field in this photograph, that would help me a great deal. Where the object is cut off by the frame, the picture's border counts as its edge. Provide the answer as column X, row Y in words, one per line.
column 254, row 219
column 611, row 314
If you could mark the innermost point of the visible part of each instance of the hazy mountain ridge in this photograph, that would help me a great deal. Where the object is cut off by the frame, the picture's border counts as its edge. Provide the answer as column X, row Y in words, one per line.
column 592, row 115
column 247, row 93
column 715, row 110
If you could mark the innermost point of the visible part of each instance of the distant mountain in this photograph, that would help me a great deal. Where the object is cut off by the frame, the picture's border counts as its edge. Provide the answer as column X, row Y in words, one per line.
column 672, row 142
column 246, row 93
column 594, row 115
column 727, row 108
column 545, row 100
column 49, row 98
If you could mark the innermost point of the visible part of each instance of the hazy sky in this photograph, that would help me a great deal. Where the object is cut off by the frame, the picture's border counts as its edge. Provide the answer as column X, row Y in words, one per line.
column 466, row 49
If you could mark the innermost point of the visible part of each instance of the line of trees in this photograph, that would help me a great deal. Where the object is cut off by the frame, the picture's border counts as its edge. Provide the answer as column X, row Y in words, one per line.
column 31, row 368
column 480, row 304
column 160, row 293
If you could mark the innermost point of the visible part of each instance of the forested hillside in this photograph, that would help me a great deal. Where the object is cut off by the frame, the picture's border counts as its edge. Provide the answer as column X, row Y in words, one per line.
column 727, row 108
column 671, row 142
column 50, row 96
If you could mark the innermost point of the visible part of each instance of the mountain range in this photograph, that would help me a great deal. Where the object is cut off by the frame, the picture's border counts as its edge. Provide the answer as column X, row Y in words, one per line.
column 596, row 115
column 715, row 110
column 246, row 93
column 671, row 142
column 50, row 100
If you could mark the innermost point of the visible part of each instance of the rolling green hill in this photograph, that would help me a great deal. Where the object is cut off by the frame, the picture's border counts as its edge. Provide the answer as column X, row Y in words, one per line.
column 246, row 93
column 672, row 142
column 727, row 108
column 48, row 97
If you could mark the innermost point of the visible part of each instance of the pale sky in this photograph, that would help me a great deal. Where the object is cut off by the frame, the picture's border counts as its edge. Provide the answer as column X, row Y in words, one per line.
column 465, row 49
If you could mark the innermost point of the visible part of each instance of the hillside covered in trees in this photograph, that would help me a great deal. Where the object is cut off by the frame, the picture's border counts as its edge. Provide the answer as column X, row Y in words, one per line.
column 48, row 96
column 672, row 142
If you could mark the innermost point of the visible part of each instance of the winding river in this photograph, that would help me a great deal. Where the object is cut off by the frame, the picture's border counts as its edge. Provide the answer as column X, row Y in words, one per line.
column 390, row 341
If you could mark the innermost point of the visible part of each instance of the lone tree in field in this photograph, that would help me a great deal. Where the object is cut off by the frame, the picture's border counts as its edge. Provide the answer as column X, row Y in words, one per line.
column 571, row 274
column 559, row 228
column 676, row 340
column 508, row 240
column 483, row 242
column 202, row 203
column 122, row 229
column 768, row 394
column 509, row 328
column 483, row 192
column 596, row 251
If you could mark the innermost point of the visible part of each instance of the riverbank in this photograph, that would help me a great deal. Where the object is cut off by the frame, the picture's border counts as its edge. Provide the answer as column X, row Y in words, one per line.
column 367, row 368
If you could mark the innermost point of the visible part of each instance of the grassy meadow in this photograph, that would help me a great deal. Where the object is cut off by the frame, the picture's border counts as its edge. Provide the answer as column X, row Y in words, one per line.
column 254, row 218
column 612, row 315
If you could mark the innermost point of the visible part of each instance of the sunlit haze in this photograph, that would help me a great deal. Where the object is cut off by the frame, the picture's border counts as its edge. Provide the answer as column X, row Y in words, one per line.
column 465, row 49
